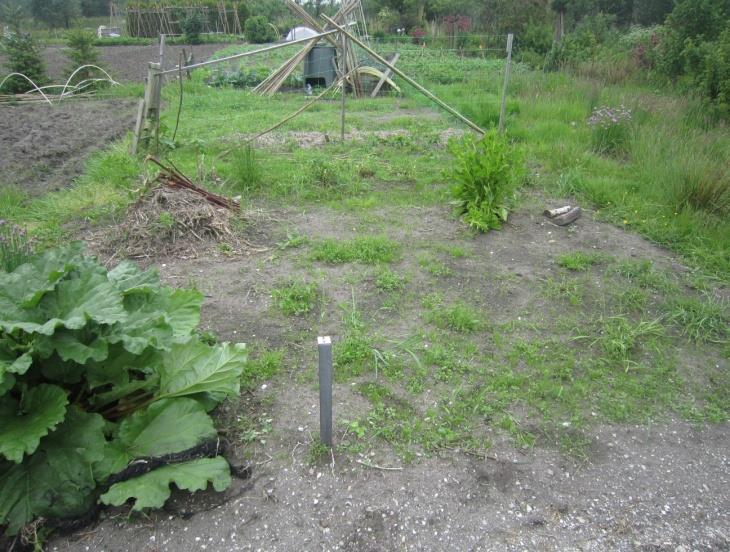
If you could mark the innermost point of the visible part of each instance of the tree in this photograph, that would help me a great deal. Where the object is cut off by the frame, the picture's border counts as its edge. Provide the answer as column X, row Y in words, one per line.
column 94, row 8
column 23, row 56
column 652, row 12
column 55, row 13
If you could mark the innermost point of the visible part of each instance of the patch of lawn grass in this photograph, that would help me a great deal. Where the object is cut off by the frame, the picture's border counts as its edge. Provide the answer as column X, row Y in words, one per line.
column 643, row 274
column 458, row 317
column 366, row 250
column 263, row 367
column 433, row 266
column 619, row 336
column 296, row 298
column 705, row 319
column 580, row 260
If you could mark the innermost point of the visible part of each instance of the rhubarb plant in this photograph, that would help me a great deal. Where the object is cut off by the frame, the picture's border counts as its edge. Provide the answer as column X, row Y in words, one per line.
column 99, row 368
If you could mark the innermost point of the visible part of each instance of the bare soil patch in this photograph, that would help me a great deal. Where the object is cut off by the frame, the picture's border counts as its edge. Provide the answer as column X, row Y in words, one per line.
column 660, row 487
column 124, row 63
column 44, row 147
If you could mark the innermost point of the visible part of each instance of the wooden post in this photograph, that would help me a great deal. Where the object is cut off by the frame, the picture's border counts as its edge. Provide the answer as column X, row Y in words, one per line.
column 343, row 69
column 507, row 68
column 152, row 100
column 137, row 128
column 162, row 51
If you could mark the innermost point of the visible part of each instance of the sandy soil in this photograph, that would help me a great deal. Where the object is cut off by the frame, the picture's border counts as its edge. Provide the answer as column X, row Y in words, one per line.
column 124, row 63
column 44, row 148
column 661, row 487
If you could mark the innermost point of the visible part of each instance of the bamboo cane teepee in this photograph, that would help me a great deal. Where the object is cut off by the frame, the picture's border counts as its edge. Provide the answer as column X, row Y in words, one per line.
column 350, row 15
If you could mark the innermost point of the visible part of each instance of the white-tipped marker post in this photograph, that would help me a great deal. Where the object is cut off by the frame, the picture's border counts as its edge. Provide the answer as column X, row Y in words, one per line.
column 324, row 344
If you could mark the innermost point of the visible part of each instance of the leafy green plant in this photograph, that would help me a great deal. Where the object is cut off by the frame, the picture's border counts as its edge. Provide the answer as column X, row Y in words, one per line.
column 23, row 56
column 15, row 248
column 296, row 298
column 487, row 172
column 98, row 369
column 258, row 30
column 703, row 320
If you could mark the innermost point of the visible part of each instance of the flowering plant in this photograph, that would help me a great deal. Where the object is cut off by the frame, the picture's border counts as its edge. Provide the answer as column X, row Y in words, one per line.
column 611, row 129
column 15, row 248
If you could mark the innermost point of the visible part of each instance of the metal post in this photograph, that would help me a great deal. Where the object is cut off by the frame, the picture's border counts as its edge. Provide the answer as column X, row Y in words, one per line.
column 324, row 344
column 507, row 69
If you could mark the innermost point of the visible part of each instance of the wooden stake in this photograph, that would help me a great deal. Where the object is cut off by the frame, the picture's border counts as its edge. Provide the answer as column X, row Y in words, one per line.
column 343, row 68
column 405, row 77
column 137, row 128
column 508, row 67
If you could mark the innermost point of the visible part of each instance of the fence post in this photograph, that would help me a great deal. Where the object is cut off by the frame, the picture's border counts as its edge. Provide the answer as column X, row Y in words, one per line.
column 152, row 100
column 324, row 344
column 508, row 67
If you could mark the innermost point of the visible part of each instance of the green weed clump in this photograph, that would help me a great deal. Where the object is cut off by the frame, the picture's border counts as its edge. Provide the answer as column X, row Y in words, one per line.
column 366, row 250
column 296, row 298
column 487, row 173
column 387, row 281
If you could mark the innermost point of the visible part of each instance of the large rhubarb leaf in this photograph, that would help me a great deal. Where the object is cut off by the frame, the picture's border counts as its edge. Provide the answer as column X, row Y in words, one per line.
column 116, row 369
column 89, row 296
column 56, row 481
column 156, row 431
column 22, row 425
column 183, row 310
column 128, row 278
column 152, row 489
column 26, row 285
column 75, row 345
column 194, row 367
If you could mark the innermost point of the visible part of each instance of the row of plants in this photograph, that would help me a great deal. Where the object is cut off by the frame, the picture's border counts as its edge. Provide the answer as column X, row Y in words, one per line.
column 99, row 368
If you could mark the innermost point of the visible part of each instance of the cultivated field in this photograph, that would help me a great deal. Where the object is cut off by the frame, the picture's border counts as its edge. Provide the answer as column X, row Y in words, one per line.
column 534, row 387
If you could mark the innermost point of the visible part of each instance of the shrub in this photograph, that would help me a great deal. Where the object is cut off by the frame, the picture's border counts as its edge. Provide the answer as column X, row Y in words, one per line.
column 258, row 30
column 98, row 369
column 81, row 51
column 23, row 57
column 192, row 26
column 611, row 129
column 487, row 172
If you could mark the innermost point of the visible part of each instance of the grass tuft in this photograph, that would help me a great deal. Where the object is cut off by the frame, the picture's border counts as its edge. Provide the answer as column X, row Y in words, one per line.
column 366, row 250
column 296, row 298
